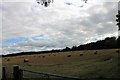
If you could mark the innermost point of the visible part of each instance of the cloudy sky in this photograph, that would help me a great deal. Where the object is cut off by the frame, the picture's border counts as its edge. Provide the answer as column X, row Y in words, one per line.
column 27, row 26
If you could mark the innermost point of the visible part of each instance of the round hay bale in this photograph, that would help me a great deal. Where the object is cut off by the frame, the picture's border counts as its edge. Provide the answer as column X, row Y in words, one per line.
column 81, row 54
column 8, row 59
column 117, row 51
column 68, row 55
column 43, row 56
column 26, row 60
column 95, row 52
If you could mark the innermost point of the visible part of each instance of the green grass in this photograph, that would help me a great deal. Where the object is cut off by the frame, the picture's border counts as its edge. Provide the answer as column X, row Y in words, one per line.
column 89, row 65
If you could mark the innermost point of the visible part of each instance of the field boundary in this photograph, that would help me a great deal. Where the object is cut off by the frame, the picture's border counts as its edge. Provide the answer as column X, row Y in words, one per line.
column 18, row 74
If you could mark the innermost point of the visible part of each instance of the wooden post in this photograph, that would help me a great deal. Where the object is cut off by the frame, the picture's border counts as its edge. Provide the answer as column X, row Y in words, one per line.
column 21, row 74
column 3, row 73
column 17, row 73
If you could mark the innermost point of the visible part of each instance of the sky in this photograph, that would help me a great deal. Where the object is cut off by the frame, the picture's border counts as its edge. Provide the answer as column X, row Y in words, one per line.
column 27, row 26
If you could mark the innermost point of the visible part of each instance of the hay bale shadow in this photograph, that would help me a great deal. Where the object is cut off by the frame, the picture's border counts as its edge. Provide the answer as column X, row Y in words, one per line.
column 107, row 59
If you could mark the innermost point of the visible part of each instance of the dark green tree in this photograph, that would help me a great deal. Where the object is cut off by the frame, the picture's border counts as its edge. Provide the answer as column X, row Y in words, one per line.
column 118, row 19
column 118, row 23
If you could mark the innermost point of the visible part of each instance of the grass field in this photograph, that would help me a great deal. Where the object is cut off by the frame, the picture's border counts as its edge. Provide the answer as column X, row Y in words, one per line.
column 88, row 63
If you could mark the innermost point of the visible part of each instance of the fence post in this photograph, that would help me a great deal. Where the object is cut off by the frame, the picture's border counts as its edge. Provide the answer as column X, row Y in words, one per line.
column 3, row 73
column 17, row 73
column 20, row 74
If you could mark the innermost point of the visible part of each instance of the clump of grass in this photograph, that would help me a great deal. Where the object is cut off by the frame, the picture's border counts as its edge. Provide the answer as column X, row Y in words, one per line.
column 29, row 65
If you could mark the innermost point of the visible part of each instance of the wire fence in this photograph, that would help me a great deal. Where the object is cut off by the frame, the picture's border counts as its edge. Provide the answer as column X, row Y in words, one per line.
column 18, row 74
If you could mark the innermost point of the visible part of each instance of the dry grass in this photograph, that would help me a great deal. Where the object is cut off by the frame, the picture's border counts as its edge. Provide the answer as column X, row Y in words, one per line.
column 80, row 63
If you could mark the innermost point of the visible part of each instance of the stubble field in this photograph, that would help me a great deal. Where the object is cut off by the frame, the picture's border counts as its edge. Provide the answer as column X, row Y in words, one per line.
column 85, row 64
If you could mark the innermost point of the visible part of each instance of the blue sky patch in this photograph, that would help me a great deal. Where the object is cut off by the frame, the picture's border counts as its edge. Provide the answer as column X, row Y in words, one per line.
column 38, row 37
column 14, row 41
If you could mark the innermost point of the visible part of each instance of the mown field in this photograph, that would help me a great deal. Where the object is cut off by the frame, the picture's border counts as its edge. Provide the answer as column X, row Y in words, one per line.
column 85, row 64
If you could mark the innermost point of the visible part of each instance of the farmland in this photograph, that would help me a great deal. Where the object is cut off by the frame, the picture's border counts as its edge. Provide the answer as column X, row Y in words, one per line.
column 86, row 63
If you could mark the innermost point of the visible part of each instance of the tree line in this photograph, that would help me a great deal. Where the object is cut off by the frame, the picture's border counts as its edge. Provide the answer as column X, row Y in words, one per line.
column 107, row 43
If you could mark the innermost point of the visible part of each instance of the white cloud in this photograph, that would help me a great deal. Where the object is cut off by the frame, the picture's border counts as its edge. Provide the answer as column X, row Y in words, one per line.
column 61, row 25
